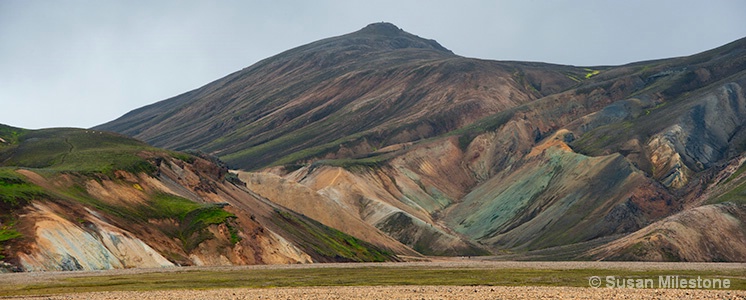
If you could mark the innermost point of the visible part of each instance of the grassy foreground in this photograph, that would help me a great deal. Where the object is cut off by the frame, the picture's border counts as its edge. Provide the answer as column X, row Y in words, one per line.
column 347, row 276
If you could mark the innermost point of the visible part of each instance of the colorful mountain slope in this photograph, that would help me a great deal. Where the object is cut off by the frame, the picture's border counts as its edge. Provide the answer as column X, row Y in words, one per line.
column 452, row 155
column 75, row 199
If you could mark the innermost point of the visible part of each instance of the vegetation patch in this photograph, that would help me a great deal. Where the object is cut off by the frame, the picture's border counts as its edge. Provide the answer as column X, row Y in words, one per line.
column 648, row 111
column 192, row 218
column 328, row 242
column 78, row 150
column 353, row 163
column 487, row 124
column 15, row 192
column 9, row 135
column 737, row 173
column 289, row 146
column 596, row 141
column 736, row 195
column 185, row 157
column 316, row 151
column 78, row 193
column 573, row 78
column 591, row 73
column 7, row 233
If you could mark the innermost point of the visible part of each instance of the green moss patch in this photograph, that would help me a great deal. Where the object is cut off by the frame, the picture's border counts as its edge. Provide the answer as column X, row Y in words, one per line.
column 77, row 150
column 736, row 195
column 15, row 190
column 192, row 219
column 326, row 242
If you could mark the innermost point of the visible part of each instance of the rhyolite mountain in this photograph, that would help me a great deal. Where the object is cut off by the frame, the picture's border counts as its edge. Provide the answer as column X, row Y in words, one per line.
column 387, row 136
column 363, row 91
column 453, row 156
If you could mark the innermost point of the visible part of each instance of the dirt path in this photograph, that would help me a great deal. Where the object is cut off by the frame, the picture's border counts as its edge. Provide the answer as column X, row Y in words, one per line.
column 72, row 147
column 339, row 172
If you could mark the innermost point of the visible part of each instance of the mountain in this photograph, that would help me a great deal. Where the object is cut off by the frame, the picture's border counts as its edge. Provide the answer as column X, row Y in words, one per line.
column 457, row 156
column 373, row 88
column 75, row 199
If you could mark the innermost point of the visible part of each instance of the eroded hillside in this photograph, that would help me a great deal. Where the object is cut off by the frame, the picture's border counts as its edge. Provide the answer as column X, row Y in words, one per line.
column 78, row 199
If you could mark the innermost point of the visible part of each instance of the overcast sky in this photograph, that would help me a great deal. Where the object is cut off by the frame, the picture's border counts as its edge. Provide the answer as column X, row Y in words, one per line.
column 83, row 63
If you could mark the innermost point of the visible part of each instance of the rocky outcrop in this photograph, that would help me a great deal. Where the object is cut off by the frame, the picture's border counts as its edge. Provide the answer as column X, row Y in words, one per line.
column 668, row 167
column 93, row 245
column 702, row 137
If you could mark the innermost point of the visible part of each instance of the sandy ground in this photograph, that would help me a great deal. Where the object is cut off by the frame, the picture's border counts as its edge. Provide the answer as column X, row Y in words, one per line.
column 406, row 292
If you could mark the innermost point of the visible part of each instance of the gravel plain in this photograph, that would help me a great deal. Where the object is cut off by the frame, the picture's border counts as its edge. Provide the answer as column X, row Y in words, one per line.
column 402, row 292
column 410, row 292
column 35, row 277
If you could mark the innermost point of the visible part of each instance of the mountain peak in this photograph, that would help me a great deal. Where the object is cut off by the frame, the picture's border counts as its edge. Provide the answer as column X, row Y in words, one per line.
column 396, row 38
column 382, row 28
